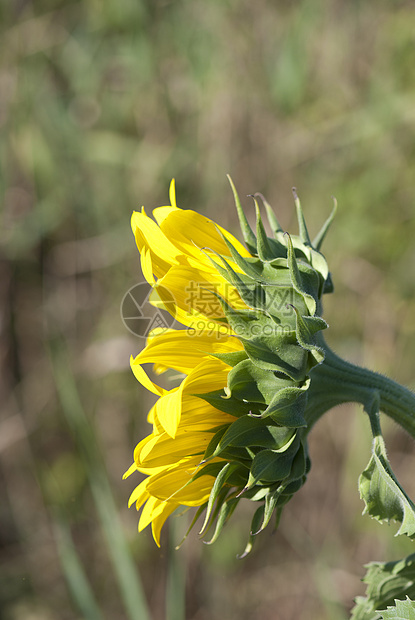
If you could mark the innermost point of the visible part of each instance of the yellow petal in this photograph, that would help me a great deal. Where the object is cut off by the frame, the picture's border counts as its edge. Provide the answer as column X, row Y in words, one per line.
column 195, row 293
column 172, row 193
column 159, row 521
column 190, row 231
column 162, row 450
column 148, row 233
column 147, row 265
column 197, row 414
column 183, row 349
column 168, row 410
column 130, row 471
column 210, row 375
column 139, row 495
column 160, row 213
column 144, row 379
column 175, row 485
column 152, row 509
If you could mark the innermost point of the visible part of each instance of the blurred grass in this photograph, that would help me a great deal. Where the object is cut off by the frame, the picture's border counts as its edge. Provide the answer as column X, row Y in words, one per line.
column 101, row 103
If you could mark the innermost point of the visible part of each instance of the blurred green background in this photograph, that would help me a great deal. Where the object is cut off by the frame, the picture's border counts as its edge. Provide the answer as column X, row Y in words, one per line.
column 102, row 102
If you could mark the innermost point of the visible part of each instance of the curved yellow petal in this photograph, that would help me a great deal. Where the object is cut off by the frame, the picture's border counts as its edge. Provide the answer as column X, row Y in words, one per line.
column 139, row 495
column 176, row 484
column 192, row 231
column 172, row 193
column 129, row 471
column 184, row 349
column 158, row 522
column 160, row 213
column 144, row 379
column 162, row 450
column 209, row 376
column 195, row 295
column 197, row 414
column 151, row 510
column 168, row 410
column 147, row 265
column 149, row 235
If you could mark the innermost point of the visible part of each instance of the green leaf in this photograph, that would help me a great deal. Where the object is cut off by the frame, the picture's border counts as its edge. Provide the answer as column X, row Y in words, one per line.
column 402, row 610
column 233, row 358
column 248, row 431
column 277, row 353
column 240, row 320
column 385, row 583
column 288, row 405
column 307, row 328
column 279, row 302
column 235, row 407
column 211, row 447
column 249, row 382
column 384, row 498
column 271, row 466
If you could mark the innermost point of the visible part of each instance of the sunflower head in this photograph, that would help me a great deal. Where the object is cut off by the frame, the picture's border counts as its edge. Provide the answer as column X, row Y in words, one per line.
column 236, row 426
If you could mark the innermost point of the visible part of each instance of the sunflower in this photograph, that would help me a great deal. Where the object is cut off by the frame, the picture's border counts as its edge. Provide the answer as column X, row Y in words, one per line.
column 233, row 427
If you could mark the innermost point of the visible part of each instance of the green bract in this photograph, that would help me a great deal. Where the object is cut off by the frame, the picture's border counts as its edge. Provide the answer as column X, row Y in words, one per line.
column 282, row 284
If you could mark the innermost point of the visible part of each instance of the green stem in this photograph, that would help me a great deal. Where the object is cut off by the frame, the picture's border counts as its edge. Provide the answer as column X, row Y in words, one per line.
column 336, row 381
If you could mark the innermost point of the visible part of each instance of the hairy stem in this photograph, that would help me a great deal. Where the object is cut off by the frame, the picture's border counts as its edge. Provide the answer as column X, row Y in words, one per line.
column 336, row 381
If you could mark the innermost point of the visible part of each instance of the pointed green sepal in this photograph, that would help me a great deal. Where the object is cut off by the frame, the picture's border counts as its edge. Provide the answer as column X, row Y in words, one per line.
column 233, row 358
column 272, row 466
column 248, row 431
column 235, row 407
column 319, row 238
column 213, row 443
column 251, row 292
column 191, row 526
column 263, row 247
column 220, row 480
column 255, row 524
column 306, row 281
column 307, row 328
column 226, row 510
column 280, row 352
column 247, row 233
column 250, row 383
column 251, row 267
column 288, row 405
column 302, row 227
column 240, row 320
column 272, row 219
column 273, row 501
